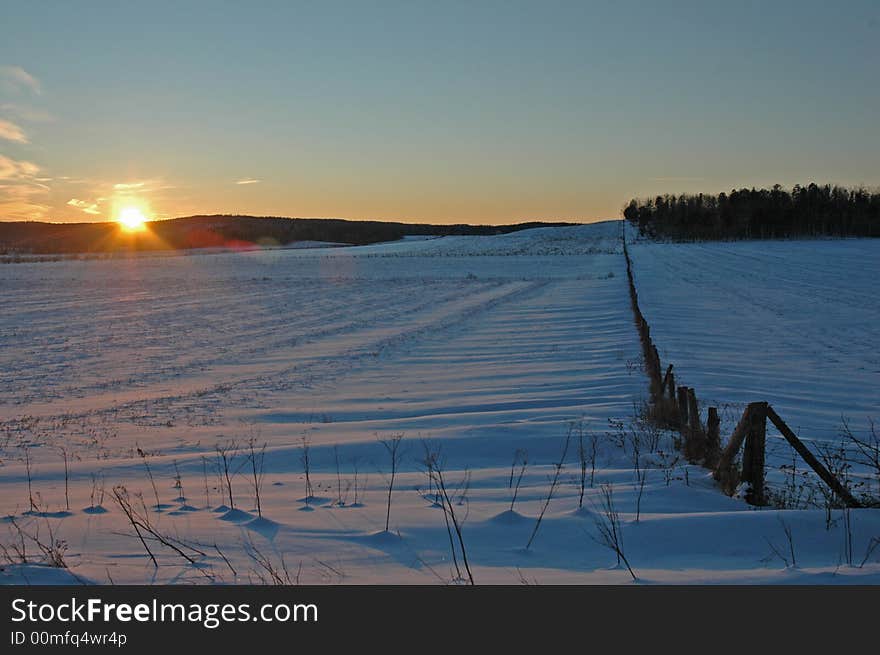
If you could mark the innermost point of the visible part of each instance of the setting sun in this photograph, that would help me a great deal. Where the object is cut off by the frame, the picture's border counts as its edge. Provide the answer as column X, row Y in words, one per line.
column 131, row 219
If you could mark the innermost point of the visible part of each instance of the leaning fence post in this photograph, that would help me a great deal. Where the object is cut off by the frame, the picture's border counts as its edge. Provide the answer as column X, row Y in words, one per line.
column 725, row 472
column 842, row 492
column 753, row 454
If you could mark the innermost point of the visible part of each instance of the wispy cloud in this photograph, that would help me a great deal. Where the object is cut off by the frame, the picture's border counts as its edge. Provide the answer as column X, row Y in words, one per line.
column 12, row 132
column 12, row 169
column 26, row 113
column 20, row 204
column 248, row 180
column 141, row 187
column 129, row 186
column 21, row 190
column 17, row 78
column 87, row 207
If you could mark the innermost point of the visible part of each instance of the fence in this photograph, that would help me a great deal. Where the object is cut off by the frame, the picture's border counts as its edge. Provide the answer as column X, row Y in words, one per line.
column 677, row 408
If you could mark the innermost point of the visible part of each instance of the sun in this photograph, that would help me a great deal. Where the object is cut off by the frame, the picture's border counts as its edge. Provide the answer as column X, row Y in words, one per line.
column 132, row 219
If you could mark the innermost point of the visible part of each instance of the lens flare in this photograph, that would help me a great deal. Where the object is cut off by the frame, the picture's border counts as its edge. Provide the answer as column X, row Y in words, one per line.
column 131, row 219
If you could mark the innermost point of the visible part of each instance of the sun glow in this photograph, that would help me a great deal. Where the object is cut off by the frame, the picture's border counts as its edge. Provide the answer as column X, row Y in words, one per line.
column 131, row 219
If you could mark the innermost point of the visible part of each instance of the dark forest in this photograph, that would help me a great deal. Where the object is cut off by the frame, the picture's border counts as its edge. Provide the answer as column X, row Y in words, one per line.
column 805, row 211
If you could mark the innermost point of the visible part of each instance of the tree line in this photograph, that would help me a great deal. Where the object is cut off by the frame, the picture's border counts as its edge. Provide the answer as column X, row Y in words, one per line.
column 805, row 211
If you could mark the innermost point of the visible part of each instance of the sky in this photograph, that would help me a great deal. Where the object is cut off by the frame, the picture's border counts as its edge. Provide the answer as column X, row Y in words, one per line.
column 445, row 112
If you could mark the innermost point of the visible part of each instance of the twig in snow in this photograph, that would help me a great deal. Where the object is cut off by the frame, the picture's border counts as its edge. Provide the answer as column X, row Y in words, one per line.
column 553, row 484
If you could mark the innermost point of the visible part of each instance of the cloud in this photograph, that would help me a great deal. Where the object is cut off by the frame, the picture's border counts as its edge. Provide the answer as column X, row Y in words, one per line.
column 129, row 186
column 248, row 180
column 21, row 208
column 141, row 187
column 20, row 190
column 12, row 132
column 87, row 207
column 26, row 113
column 11, row 169
column 17, row 78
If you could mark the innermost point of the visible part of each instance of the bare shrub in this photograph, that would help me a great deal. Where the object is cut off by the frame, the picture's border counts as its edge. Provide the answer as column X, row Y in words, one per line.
column 358, row 491
column 427, row 461
column 139, row 520
column 226, row 454
column 143, row 455
column 178, row 484
column 797, row 490
column 52, row 549
column 342, row 486
column 836, row 460
column 97, row 490
column 306, row 459
column 66, row 478
column 257, row 457
column 667, row 461
column 520, row 458
column 641, row 478
column 392, row 447
column 617, row 433
column 27, row 463
column 269, row 572
column 788, row 558
column 205, row 479
column 609, row 528
column 868, row 454
column 847, row 530
column 588, row 448
column 453, row 521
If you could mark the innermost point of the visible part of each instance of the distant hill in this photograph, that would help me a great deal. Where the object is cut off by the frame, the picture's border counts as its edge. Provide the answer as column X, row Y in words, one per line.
column 220, row 231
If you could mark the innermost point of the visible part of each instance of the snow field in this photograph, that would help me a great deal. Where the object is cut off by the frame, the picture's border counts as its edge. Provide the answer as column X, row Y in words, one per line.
column 475, row 346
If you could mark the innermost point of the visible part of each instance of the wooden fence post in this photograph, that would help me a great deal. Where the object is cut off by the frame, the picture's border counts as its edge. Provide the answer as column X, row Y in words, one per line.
column 713, row 438
column 693, row 412
column 665, row 381
column 654, row 372
column 683, row 408
column 753, row 454
column 695, row 439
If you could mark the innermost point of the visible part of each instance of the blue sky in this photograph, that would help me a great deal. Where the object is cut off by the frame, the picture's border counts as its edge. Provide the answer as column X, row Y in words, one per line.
column 427, row 111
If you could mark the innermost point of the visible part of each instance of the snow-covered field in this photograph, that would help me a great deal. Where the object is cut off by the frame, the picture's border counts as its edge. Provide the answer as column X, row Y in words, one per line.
column 472, row 347
column 796, row 323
